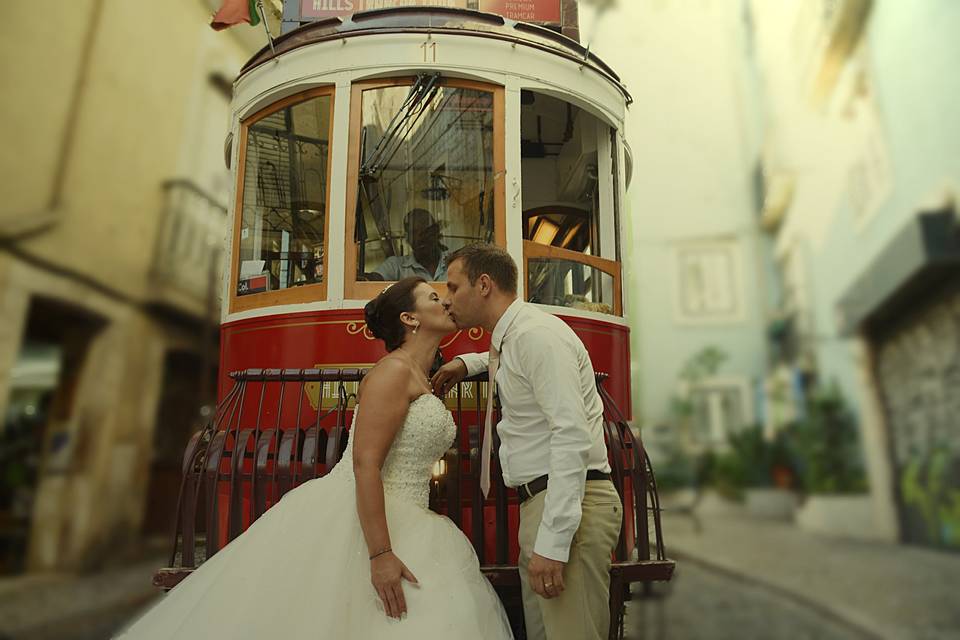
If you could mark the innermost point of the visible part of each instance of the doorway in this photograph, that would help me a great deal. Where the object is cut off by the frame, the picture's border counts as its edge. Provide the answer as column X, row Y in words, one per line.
column 35, row 434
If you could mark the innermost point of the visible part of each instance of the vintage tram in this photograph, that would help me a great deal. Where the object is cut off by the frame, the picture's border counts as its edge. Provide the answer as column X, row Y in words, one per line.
column 365, row 147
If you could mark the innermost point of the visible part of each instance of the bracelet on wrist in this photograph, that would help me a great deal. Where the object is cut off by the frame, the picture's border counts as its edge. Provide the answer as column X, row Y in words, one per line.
column 381, row 552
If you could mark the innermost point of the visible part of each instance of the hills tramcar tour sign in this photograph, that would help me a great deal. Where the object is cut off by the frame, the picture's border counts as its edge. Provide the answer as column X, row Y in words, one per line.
column 545, row 11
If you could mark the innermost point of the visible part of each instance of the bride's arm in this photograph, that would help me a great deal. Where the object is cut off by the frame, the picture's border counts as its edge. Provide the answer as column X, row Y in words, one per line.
column 385, row 401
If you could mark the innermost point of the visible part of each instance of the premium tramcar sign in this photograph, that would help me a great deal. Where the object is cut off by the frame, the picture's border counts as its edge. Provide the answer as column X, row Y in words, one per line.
column 547, row 11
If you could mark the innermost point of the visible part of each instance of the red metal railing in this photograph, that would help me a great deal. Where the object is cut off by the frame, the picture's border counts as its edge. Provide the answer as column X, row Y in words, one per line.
column 263, row 441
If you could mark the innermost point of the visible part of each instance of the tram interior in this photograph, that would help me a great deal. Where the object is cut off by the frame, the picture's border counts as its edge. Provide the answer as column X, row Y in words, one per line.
column 284, row 199
column 426, row 178
column 559, row 150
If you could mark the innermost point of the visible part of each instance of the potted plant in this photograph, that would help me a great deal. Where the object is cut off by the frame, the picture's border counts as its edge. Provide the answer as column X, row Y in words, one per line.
column 767, row 473
column 831, row 471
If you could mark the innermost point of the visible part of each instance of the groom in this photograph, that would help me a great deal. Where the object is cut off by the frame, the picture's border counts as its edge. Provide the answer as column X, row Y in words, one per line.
column 551, row 445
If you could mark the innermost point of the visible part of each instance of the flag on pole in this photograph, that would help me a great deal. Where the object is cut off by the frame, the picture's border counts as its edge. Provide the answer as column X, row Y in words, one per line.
column 234, row 12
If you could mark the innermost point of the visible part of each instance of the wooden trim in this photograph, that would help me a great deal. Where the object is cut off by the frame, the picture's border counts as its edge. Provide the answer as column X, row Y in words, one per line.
column 610, row 267
column 237, row 217
column 354, row 290
column 499, row 167
column 350, row 284
column 303, row 96
column 292, row 295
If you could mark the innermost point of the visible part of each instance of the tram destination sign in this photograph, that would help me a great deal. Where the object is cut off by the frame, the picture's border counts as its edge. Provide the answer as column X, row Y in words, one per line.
column 525, row 10
column 543, row 11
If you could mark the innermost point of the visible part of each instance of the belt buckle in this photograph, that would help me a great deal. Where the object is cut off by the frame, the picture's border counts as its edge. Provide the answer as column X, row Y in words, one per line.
column 526, row 489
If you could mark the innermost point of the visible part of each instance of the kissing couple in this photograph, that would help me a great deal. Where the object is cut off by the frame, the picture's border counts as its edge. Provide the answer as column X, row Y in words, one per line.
column 357, row 554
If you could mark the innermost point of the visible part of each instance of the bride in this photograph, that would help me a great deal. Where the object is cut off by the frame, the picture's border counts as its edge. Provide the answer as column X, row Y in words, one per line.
column 355, row 554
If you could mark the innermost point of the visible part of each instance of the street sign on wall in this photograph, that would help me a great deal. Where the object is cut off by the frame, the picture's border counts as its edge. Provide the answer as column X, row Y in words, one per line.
column 544, row 11
column 526, row 10
column 319, row 9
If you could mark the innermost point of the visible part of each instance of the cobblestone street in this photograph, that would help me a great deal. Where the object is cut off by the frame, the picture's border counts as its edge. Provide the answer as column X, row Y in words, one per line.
column 99, row 626
column 702, row 604
column 699, row 603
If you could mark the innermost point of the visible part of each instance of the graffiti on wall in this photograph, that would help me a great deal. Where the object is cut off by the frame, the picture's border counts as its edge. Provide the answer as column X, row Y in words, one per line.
column 919, row 372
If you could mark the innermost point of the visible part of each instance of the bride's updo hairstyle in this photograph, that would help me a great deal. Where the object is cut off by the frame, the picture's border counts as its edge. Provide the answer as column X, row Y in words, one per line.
column 383, row 312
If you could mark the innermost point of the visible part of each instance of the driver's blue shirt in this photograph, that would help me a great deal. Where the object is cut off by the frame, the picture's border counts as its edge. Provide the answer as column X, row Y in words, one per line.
column 400, row 267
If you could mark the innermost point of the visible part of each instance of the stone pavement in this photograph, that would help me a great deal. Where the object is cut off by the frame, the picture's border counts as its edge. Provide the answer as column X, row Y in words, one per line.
column 889, row 591
column 31, row 605
column 880, row 590
column 703, row 604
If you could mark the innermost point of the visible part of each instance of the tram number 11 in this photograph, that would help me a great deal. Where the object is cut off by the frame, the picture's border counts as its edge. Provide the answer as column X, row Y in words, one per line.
column 432, row 46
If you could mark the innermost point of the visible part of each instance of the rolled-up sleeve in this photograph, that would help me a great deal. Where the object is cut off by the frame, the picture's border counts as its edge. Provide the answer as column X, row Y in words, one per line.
column 553, row 370
column 476, row 362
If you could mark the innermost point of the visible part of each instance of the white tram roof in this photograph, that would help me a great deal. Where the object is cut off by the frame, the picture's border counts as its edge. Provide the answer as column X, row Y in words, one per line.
column 437, row 21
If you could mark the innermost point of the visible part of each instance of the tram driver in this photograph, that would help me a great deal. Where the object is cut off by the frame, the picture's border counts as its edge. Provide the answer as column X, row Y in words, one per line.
column 429, row 257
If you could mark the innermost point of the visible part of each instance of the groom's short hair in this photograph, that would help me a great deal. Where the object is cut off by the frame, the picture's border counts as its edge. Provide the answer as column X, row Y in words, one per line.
column 480, row 258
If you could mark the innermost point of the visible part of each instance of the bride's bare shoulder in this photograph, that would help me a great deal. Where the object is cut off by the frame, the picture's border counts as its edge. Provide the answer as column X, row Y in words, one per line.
column 390, row 377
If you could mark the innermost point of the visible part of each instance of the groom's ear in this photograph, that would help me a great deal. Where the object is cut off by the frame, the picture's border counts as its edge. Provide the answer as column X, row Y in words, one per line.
column 485, row 284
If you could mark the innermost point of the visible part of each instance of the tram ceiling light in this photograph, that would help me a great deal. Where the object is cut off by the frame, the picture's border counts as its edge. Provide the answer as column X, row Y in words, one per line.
column 545, row 231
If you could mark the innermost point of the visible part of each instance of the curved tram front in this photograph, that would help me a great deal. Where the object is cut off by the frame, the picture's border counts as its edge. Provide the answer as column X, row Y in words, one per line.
column 365, row 149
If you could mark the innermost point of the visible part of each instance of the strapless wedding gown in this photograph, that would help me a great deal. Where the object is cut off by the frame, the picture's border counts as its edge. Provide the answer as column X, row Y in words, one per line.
column 302, row 569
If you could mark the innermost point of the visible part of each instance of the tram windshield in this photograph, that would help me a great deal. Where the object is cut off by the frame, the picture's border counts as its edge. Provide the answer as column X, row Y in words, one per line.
column 426, row 177
column 285, row 198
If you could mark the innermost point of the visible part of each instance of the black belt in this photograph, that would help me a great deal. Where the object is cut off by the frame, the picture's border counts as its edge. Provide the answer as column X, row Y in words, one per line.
column 532, row 488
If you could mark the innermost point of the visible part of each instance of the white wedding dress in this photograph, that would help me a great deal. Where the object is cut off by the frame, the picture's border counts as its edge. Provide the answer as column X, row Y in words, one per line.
column 302, row 569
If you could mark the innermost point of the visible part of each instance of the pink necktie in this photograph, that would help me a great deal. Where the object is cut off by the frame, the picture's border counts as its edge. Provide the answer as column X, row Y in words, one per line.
column 487, row 445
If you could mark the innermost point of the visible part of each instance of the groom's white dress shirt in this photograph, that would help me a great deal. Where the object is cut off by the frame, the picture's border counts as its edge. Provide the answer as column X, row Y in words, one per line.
column 552, row 416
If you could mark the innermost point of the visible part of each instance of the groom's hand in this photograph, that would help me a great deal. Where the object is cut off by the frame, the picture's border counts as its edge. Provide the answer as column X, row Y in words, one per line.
column 546, row 576
column 448, row 375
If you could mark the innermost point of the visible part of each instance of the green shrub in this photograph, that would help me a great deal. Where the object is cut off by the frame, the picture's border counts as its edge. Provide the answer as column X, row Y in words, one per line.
column 751, row 461
column 828, row 446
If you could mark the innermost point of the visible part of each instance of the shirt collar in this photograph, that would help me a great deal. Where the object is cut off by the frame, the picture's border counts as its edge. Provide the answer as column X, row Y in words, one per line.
column 503, row 324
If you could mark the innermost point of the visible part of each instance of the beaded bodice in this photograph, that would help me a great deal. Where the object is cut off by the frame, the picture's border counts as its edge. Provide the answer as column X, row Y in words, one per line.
column 426, row 434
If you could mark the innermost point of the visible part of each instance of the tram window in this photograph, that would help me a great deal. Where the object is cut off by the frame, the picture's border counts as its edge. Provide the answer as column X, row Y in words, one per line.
column 558, row 151
column 562, row 193
column 567, row 283
column 425, row 185
column 284, row 206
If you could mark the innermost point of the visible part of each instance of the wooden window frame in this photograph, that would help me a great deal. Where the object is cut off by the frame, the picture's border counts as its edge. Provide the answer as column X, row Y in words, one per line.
column 291, row 295
column 364, row 290
column 533, row 250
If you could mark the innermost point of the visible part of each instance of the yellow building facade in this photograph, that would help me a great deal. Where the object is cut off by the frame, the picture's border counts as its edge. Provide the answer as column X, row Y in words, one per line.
column 112, row 213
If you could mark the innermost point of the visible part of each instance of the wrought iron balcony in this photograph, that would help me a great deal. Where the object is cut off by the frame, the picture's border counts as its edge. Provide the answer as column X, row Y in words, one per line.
column 186, row 266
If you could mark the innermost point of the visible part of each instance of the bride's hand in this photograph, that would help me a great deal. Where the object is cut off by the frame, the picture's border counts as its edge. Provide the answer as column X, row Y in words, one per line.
column 448, row 375
column 386, row 573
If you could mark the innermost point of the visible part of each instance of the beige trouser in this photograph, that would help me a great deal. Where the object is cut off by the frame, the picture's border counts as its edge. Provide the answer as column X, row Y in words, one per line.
column 582, row 611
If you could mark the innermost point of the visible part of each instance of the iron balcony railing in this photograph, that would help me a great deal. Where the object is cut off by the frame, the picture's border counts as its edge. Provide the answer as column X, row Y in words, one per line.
column 186, row 264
